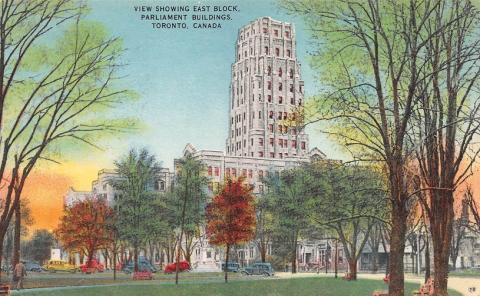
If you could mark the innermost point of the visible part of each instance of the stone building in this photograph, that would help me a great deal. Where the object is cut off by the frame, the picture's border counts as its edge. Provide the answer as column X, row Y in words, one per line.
column 266, row 90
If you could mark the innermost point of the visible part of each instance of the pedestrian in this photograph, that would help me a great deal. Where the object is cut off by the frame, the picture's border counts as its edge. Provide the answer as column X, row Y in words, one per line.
column 18, row 273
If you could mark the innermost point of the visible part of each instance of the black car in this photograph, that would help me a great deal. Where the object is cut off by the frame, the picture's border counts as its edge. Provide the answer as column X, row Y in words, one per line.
column 259, row 268
column 232, row 267
column 33, row 266
column 143, row 265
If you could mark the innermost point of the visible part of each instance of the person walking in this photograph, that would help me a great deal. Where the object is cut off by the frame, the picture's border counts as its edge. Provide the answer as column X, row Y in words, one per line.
column 18, row 274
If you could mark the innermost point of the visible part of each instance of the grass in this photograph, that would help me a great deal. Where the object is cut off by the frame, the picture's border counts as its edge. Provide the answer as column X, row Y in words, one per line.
column 268, row 287
column 475, row 273
column 46, row 280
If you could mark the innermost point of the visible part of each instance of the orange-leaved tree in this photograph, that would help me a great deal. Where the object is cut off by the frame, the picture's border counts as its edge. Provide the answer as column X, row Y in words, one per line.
column 231, row 216
column 86, row 226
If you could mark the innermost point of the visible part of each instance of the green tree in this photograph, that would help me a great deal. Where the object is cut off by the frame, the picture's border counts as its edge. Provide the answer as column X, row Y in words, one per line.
column 293, row 195
column 357, row 200
column 136, row 213
column 264, row 226
column 38, row 248
column 188, row 204
column 57, row 83
column 370, row 57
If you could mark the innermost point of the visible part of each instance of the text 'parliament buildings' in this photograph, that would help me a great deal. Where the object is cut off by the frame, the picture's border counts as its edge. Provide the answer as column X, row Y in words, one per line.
column 265, row 91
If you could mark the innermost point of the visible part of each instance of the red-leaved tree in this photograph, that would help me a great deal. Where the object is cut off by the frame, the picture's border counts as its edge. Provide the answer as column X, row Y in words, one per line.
column 231, row 216
column 86, row 226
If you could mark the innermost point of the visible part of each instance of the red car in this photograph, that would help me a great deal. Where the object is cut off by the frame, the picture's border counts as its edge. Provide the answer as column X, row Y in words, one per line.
column 92, row 266
column 182, row 266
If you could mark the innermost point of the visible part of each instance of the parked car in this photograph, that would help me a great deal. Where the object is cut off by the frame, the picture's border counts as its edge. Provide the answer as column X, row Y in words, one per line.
column 232, row 267
column 33, row 266
column 92, row 266
column 143, row 265
column 60, row 265
column 259, row 269
column 172, row 267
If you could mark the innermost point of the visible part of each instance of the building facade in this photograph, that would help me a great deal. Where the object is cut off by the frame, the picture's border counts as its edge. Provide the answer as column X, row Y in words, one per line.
column 266, row 93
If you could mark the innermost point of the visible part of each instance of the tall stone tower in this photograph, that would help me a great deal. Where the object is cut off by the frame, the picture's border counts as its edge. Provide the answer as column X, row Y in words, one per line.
column 265, row 90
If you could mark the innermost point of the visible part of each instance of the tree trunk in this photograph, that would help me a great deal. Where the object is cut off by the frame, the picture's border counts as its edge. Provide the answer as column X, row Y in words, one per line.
column 226, row 263
column 16, row 240
column 294, row 260
column 352, row 265
column 114, row 262
column 453, row 258
column 1, row 252
column 135, row 258
column 441, row 230
column 263, row 252
column 374, row 261
column 397, row 248
column 427, row 258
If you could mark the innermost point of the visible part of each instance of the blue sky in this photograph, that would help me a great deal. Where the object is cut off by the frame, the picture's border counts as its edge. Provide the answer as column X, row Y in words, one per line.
column 183, row 76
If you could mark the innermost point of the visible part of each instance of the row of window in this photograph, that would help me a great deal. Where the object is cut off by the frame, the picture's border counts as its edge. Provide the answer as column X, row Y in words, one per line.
column 283, row 143
column 282, row 129
column 271, row 115
column 276, row 33
column 266, row 51
column 269, row 73
column 239, row 91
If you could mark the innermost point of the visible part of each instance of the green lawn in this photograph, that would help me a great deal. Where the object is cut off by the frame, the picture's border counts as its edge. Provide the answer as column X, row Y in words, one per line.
column 268, row 287
column 465, row 273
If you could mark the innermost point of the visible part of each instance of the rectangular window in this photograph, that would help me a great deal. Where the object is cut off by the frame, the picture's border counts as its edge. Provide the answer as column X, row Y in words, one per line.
column 209, row 170
column 244, row 172
column 269, row 98
column 275, row 32
column 265, row 30
column 303, row 145
column 272, row 155
column 266, row 50
column 271, row 141
column 289, row 53
column 270, row 127
column 260, row 154
column 269, row 85
column 217, row 171
column 294, row 144
column 280, row 86
column 234, row 172
column 259, row 114
column 260, row 141
column 280, row 142
column 280, row 155
column 280, row 100
column 279, row 115
column 291, row 88
column 277, row 51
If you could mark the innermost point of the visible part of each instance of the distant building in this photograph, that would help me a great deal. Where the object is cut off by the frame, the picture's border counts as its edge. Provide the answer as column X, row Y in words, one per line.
column 102, row 187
